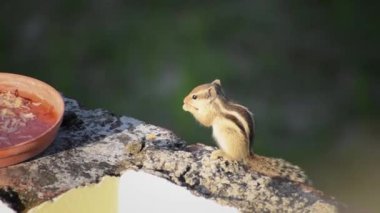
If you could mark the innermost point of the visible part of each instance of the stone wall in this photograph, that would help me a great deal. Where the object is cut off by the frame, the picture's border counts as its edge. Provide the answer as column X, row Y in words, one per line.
column 95, row 143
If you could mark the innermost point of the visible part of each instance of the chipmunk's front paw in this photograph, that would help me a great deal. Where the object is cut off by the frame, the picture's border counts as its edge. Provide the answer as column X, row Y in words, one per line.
column 218, row 154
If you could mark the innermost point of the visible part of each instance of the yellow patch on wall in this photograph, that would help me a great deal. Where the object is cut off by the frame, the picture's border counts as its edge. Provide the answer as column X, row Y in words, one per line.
column 101, row 197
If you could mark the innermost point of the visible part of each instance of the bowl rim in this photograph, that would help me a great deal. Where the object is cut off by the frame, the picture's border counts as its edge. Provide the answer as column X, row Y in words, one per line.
column 56, row 123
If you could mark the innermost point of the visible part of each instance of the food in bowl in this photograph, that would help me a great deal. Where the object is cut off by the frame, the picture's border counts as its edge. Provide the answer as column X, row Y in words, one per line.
column 23, row 117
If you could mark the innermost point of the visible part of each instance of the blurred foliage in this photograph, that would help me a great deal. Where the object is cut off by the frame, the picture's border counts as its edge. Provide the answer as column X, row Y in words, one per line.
column 309, row 70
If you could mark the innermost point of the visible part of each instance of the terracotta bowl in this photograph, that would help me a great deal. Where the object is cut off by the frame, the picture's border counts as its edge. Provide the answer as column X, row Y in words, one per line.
column 19, row 152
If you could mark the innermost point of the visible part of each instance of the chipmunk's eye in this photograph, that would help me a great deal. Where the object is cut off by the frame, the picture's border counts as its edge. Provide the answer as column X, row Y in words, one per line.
column 195, row 97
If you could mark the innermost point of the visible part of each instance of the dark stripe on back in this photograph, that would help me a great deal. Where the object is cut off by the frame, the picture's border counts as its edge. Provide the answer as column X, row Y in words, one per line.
column 236, row 121
column 246, row 115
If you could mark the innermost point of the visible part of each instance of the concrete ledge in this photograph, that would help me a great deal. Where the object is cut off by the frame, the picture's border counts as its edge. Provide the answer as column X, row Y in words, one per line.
column 95, row 143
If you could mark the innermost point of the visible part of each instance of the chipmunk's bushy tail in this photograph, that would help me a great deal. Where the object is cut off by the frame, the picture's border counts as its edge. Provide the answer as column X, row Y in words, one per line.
column 276, row 167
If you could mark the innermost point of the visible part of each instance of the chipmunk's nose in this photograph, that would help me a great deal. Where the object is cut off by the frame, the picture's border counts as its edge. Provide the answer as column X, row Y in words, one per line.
column 185, row 100
column 184, row 106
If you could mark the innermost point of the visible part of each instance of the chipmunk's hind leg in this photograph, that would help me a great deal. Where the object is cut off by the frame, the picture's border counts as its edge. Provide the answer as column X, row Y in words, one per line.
column 219, row 154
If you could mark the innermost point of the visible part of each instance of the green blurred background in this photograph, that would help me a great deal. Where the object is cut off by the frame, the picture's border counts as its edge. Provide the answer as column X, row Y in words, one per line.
column 309, row 70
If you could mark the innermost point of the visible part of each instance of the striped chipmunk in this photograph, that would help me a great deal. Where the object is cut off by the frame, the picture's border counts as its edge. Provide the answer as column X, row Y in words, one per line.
column 233, row 129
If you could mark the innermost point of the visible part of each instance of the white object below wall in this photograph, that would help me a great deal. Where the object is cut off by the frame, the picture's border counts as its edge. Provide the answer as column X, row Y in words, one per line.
column 143, row 192
column 5, row 209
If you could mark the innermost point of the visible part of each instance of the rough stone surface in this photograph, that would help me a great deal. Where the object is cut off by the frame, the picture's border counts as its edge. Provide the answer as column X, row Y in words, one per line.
column 95, row 143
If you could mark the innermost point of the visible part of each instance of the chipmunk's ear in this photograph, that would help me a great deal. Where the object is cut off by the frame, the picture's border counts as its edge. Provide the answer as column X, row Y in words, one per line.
column 211, row 93
column 215, row 90
column 217, row 82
